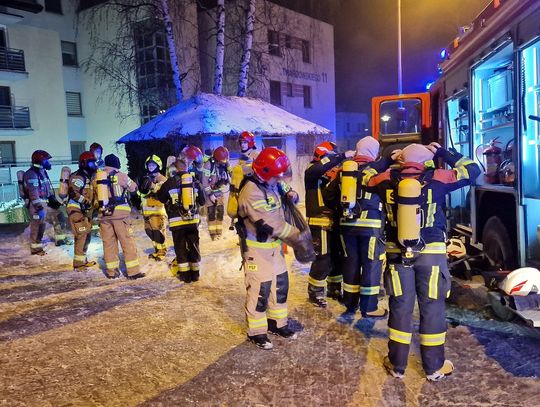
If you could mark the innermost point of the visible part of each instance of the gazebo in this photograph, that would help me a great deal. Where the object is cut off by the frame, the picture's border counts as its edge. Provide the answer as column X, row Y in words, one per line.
column 208, row 121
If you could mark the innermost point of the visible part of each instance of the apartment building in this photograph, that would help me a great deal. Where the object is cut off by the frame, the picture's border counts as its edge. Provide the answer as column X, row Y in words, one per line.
column 350, row 127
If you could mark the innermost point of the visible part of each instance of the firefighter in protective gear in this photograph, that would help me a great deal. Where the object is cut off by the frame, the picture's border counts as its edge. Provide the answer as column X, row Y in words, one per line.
column 194, row 158
column 97, row 150
column 324, row 269
column 216, row 183
column 80, row 208
column 421, row 271
column 361, row 235
column 248, row 149
column 115, row 224
column 153, row 210
column 262, row 228
column 42, row 203
column 182, row 195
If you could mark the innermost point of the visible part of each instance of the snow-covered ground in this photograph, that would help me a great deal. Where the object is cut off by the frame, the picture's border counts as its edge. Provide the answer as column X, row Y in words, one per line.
column 79, row 339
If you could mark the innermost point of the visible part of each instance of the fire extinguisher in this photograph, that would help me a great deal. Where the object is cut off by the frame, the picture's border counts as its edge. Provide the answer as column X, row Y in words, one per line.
column 492, row 160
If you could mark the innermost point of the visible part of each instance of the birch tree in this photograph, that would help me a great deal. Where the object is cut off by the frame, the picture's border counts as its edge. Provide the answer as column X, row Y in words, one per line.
column 172, row 50
column 220, row 47
column 246, row 54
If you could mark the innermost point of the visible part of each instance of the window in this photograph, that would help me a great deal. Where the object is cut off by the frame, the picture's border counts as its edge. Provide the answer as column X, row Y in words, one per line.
column 274, row 141
column 275, row 93
column 305, row 144
column 273, row 43
column 7, row 152
column 289, row 89
column 77, row 148
column 73, row 103
column 288, row 42
column 307, row 96
column 69, row 53
column 306, row 53
column 53, row 6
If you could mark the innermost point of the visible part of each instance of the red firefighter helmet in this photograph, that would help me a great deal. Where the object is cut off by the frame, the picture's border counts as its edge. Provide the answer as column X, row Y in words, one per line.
column 85, row 158
column 249, row 137
column 221, row 154
column 322, row 149
column 271, row 162
column 39, row 156
column 193, row 153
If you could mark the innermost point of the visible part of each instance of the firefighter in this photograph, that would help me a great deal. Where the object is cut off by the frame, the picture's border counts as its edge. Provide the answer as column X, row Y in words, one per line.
column 115, row 224
column 216, row 183
column 42, row 203
column 361, row 236
column 182, row 195
column 262, row 227
column 97, row 150
column 414, row 196
column 153, row 210
column 80, row 208
column 194, row 158
column 248, row 149
column 319, row 217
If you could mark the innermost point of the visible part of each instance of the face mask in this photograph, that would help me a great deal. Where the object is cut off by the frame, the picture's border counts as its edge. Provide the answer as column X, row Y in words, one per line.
column 46, row 165
column 91, row 166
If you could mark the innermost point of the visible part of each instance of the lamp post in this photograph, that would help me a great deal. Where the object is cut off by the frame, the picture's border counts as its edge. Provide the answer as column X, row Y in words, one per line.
column 400, row 72
column 385, row 118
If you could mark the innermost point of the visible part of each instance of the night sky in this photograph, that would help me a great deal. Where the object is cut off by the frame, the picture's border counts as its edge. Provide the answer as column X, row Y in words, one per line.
column 366, row 45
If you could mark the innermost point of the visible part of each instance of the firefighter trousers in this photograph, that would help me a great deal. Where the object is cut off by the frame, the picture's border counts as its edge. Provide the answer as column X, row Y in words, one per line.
column 362, row 271
column 324, row 271
column 267, row 286
column 81, row 226
column 113, row 230
column 427, row 280
column 188, row 254
column 215, row 218
column 38, row 220
column 155, row 228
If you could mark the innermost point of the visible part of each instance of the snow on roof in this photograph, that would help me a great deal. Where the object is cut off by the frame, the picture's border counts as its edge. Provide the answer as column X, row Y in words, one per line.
column 212, row 114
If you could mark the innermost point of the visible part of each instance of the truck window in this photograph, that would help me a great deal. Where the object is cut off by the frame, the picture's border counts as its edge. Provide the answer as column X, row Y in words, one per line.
column 401, row 116
column 494, row 108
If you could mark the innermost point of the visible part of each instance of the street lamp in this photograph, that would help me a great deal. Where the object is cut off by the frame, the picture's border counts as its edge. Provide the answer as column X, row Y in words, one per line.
column 385, row 118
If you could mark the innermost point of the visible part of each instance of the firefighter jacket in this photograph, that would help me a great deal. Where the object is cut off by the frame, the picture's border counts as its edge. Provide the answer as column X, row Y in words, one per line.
column 170, row 194
column 216, row 179
column 260, row 209
column 368, row 214
column 38, row 187
column 315, row 180
column 247, row 157
column 119, row 185
column 150, row 185
column 436, row 183
column 80, row 191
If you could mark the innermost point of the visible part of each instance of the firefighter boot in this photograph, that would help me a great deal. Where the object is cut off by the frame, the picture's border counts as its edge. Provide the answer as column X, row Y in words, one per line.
column 378, row 313
column 136, row 276
column 261, row 341
column 446, row 370
column 284, row 331
column 334, row 291
column 390, row 369
column 85, row 266
column 318, row 301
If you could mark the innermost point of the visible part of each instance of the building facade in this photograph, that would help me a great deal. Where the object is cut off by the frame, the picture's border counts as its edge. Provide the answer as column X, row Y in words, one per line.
column 350, row 127
column 53, row 98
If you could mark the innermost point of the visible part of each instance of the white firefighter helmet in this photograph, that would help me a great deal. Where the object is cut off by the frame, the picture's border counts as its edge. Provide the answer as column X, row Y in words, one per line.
column 456, row 248
column 521, row 282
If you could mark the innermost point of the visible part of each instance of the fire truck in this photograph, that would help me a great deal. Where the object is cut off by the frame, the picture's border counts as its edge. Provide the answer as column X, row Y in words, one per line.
column 486, row 105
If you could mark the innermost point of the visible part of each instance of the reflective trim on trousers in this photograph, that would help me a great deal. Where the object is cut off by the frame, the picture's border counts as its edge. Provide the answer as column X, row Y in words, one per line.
column 263, row 245
column 112, row 265
column 334, row 279
column 316, row 283
column 79, row 257
column 132, row 263
column 374, row 290
column 433, row 290
column 257, row 323
column 351, row 288
column 173, row 222
column 399, row 336
column 277, row 313
column 36, row 245
column 433, row 339
column 324, row 222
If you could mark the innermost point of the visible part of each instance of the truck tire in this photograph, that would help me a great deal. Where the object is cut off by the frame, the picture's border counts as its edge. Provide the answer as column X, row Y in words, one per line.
column 497, row 245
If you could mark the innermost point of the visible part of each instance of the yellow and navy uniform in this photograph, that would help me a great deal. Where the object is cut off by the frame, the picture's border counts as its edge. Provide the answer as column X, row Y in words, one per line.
column 426, row 277
column 154, row 212
column 184, row 225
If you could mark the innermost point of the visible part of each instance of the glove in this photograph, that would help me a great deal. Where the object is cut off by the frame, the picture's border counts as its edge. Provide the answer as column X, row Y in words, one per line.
column 350, row 153
column 396, row 155
column 433, row 147
column 303, row 248
column 53, row 203
column 146, row 185
column 292, row 196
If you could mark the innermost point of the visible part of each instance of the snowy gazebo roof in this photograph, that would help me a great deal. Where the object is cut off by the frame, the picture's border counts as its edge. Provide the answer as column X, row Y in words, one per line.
column 207, row 114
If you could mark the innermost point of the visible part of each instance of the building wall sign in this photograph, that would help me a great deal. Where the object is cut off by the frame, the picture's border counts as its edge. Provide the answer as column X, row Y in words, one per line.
column 315, row 77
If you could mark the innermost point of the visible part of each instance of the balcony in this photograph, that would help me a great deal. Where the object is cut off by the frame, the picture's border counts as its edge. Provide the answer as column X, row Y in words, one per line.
column 12, row 66
column 14, row 117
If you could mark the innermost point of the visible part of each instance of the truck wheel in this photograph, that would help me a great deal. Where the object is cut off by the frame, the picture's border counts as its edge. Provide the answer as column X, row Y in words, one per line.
column 497, row 245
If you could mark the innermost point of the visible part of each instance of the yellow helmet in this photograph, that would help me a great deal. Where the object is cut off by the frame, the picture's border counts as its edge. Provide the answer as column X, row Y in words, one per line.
column 154, row 158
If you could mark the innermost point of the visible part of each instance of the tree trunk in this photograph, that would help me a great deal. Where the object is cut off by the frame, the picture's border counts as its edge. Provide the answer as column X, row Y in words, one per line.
column 246, row 55
column 220, row 47
column 172, row 50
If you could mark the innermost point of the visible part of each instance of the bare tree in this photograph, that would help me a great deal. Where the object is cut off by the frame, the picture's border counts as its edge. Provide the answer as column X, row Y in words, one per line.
column 246, row 53
column 220, row 47
column 172, row 50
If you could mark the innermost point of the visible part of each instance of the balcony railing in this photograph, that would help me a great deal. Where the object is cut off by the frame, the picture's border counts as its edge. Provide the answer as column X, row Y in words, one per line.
column 14, row 117
column 12, row 60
